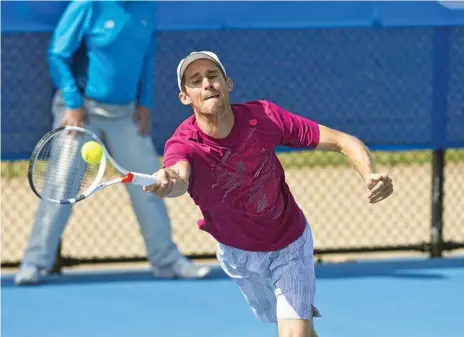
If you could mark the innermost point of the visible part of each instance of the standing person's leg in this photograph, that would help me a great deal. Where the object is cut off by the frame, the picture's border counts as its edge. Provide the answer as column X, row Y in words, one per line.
column 51, row 219
column 278, row 286
column 137, row 153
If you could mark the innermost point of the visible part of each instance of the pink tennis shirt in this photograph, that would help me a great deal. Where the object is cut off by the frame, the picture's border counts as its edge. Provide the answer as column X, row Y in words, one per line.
column 238, row 181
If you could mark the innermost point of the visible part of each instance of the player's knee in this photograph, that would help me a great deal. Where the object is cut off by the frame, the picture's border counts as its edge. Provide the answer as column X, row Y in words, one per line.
column 296, row 328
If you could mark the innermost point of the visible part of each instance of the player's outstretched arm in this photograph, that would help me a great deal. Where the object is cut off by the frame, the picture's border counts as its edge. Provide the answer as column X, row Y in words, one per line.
column 174, row 181
column 380, row 185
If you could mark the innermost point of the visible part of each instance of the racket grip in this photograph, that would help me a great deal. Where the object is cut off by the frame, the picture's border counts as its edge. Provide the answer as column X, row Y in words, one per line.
column 143, row 179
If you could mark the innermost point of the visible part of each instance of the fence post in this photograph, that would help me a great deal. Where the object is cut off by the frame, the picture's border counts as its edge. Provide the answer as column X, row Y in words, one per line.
column 438, row 131
column 438, row 178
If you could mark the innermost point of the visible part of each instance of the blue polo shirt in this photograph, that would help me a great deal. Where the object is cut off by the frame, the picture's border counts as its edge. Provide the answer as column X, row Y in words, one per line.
column 105, row 51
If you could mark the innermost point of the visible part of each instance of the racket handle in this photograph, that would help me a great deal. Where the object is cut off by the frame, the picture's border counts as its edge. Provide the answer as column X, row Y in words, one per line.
column 143, row 179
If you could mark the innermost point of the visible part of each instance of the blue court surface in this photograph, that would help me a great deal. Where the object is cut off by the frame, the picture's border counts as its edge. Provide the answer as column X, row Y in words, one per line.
column 400, row 298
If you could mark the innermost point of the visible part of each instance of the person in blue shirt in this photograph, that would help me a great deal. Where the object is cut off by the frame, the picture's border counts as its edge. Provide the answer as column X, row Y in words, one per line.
column 101, row 59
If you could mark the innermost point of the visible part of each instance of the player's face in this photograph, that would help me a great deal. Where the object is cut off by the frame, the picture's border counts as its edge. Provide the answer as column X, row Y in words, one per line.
column 205, row 88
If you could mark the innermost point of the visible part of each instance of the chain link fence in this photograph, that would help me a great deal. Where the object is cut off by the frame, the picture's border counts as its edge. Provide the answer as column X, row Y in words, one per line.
column 453, row 230
column 327, row 189
column 375, row 83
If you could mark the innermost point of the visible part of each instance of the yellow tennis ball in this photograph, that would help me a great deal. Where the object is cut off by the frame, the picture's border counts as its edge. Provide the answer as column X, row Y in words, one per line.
column 92, row 152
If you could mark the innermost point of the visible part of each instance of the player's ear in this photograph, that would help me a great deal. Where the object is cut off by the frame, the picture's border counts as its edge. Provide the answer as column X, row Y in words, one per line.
column 230, row 84
column 184, row 98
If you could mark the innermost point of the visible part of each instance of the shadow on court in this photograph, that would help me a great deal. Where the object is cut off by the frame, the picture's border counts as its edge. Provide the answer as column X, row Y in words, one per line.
column 404, row 269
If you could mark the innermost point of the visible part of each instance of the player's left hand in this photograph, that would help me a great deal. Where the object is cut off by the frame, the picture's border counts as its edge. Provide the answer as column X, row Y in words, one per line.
column 143, row 117
column 380, row 187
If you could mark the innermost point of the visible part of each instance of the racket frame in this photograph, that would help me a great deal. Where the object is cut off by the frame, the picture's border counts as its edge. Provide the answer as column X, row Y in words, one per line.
column 128, row 177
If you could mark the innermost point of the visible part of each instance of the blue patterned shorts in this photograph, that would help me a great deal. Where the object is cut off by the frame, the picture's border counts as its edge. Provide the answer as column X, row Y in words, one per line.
column 278, row 284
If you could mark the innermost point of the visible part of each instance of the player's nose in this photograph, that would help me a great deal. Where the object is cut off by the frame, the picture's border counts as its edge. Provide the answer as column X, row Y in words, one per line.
column 207, row 84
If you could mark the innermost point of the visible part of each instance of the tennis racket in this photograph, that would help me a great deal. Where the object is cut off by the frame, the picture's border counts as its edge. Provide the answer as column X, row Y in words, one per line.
column 58, row 173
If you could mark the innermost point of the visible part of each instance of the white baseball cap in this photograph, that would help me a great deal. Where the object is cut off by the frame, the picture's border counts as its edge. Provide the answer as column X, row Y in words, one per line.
column 194, row 56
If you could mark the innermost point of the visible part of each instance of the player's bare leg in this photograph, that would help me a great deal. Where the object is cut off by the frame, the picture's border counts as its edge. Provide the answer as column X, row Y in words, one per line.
column 296, row 328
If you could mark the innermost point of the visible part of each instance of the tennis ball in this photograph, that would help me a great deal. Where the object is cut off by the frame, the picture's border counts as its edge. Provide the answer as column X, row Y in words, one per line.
column 92, row 152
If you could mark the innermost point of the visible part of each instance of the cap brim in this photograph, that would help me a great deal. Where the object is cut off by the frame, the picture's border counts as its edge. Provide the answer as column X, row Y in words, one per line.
column 195, row 57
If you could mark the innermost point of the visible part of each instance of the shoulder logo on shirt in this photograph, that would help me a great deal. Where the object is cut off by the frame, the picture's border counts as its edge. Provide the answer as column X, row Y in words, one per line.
column 253, row 122
column 109, row 24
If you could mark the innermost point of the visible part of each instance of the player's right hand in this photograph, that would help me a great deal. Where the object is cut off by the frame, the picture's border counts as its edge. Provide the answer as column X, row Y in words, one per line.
column 74, row 117
column 166, row 179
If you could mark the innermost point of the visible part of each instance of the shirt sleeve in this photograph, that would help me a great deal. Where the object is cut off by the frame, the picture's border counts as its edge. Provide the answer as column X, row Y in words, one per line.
column 146, row 80
column 177, row 150
column 296, row 131
column 66, row 39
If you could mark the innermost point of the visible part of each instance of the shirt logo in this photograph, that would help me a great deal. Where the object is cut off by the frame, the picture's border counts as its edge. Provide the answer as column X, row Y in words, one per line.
column 109, row 24
column 253, row 122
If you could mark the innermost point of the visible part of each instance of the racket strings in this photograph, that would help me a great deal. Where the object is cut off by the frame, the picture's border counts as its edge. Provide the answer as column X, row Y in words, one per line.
column 59, row 172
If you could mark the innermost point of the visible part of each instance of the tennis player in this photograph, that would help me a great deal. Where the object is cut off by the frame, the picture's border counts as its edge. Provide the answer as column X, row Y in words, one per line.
column 224, row 157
